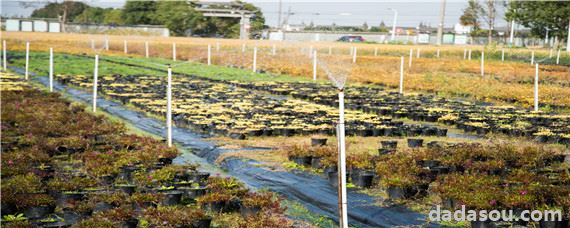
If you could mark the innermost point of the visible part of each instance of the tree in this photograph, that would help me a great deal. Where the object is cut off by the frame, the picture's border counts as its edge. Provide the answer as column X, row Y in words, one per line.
column 180, row 17
column 541, row 15
column 488, row 14
column 139, row 12
column 113, row 17
column 64, row 12
column 471, row 14
column 365, row 26
column 91, row 15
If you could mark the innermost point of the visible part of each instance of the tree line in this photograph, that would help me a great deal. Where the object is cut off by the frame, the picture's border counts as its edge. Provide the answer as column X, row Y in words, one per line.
column 180, row 17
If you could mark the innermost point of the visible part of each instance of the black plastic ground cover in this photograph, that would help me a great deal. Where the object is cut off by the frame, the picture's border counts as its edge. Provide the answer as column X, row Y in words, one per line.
column 310, row 190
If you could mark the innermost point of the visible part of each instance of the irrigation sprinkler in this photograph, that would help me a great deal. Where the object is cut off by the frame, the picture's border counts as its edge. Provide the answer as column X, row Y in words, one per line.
column 125, row 46
column 209, row 54
column 173, row 51
column 95, row 74
column 402, row 75
column 315, row 65
column 146, row 49
column 354, row 55
column 51, row 69
column 557, row 58
column 338, row 76
column 536, row 88
column 254, row 68
column 4, row 62
column 411, row 56
column 502, row 55
column 418, row 53
column 169, row 107
column 376, row 51
column 27, row 60
column 469, row 55
column 482, row 63
column 532, row 58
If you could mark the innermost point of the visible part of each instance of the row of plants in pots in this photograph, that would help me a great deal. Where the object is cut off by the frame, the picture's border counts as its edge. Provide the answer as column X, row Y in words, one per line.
column 62, row 167
column 481, row 177
column 223, row 109
column 480, row 118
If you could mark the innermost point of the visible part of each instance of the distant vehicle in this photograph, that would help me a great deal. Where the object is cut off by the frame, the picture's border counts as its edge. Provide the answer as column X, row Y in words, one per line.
column 351, row 39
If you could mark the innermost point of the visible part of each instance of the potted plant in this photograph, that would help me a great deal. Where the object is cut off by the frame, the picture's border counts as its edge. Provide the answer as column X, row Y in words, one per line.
column 253, row 203
column 218, row 202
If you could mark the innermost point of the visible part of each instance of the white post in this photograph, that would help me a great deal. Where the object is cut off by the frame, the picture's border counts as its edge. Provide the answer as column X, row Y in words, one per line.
column 437, row 53
column 274, row 51
column 146, row 49
column 402, row 75
column 315, row 66
column 243, row 48
column 532, row 58
column 418, row 54
column 51, row 69
column 27, row 59
column 482, row 63
column 169, row 108
column 92, row 44
column 536, row 88
column 376, row 51
column 469, row 55
column 342, row 158
column 394, row 25
column 254, row 68
column 209, row 54
column 557, row 58
column 4, row 62
column 125, row 46
column 106, row 44
column 411, row 56
column 173, row 51
column 354, row 55
column 311, row 52
column 95, row 74
column 464, row 53
column 330, row 50
column 502, row 55
column 511, row 39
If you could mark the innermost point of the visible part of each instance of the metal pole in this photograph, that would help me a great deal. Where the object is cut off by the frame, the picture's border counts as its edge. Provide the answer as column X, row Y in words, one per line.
column 342, row 166
column 536, row 89
column 106, row 44
column 557, row 58
column 394, row 24
column 254, row 68
column 469, row 55
column 502, row 55
column 482, row 63
column 5, row 63
column 441, row 21
column 315, row 66
column 146, row 49
column 532, row 58
column 464, row 53
column 354, row 55
column 411, row 56
column 209, row 54
column 169, row 108
column 173, row 51
column 418, row 53
column 27, row 59
column 95, row 75
column 511, row 39
column 51, row 69
column 402, row 75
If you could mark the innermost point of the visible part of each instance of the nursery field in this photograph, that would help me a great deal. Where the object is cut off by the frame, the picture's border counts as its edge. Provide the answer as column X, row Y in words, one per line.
column 453, row 138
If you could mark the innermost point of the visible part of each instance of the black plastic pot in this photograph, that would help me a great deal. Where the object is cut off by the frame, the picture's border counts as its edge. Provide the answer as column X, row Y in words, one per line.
column 364, row 179
column 449, row 203
column 333, row 178
column 303, row 160
column 200, row 176
column 193, row 193
column 415, row 143
column 107, row 179
column 172, row 198
column 131, row 223
column 316, row 162
column 38, row 212
column 396, row 193
column 202, row 223
column 318, row 141
column 129, row 189
column 165, row 161
column 390, row 144
column 248, row 211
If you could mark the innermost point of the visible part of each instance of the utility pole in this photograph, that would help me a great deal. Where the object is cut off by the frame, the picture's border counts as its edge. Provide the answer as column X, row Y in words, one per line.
column 512, row 32
column 441, row 20
column 394, row 24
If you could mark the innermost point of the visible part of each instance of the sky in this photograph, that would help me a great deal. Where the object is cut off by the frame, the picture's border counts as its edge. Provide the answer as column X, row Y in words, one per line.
column 320, row 12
